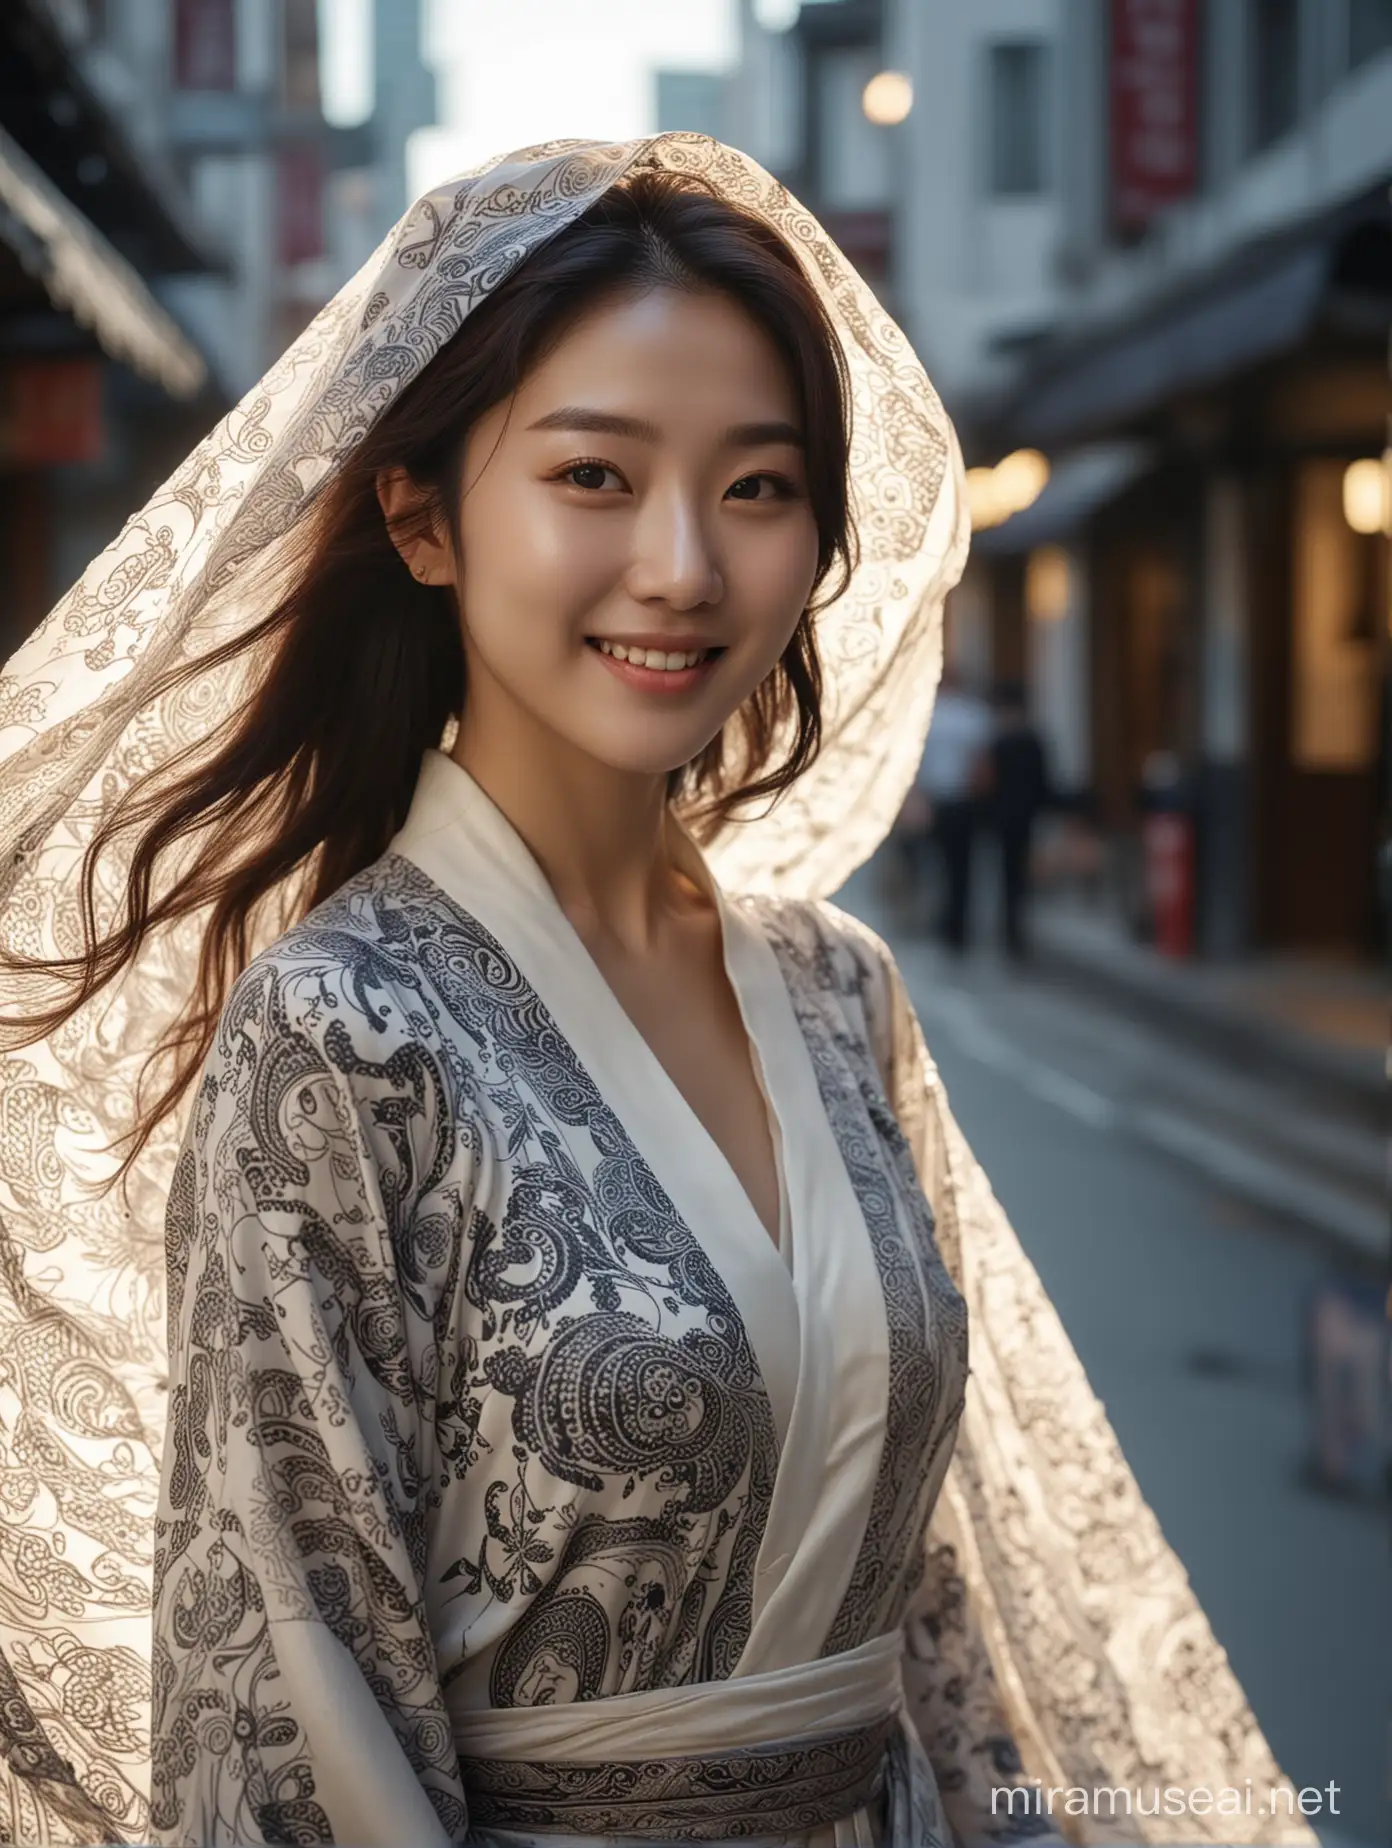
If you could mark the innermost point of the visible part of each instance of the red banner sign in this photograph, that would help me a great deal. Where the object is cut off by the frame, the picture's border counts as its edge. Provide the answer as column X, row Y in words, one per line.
column 205, row 44
column 1153, row 80
column 300, row 203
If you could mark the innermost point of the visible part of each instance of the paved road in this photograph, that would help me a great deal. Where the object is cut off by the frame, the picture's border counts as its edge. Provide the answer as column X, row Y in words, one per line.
column 1184, row 1300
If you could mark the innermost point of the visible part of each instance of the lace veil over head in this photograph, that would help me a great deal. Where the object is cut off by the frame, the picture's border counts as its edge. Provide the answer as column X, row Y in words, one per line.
column 82, row 718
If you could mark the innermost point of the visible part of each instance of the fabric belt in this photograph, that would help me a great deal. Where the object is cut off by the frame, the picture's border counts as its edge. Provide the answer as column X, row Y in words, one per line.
column 756, row 1790
column 762, row 1755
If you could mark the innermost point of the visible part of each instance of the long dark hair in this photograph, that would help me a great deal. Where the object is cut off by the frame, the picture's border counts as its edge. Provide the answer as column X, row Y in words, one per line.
column 365, row 667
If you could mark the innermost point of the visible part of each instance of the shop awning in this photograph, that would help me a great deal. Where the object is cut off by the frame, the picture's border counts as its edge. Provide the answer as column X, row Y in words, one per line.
column 1227, row 330
column 1267, row 298
column 1079, row 484
column 85, row 276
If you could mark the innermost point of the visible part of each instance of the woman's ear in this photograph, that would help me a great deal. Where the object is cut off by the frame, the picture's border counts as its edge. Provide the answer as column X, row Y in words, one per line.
column 411, row 525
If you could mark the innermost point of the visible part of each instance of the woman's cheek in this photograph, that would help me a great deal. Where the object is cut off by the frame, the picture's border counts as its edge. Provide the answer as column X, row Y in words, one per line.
column 567, row 564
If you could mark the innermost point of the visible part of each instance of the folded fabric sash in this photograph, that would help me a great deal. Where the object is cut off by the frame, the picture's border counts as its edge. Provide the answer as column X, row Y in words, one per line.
column 779, row 1753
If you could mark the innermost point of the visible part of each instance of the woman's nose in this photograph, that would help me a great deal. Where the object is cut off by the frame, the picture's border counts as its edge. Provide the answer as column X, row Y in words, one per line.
column 673, row 559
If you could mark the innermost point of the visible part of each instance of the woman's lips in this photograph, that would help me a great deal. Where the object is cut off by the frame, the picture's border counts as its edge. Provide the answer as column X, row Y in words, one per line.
column 657, row 679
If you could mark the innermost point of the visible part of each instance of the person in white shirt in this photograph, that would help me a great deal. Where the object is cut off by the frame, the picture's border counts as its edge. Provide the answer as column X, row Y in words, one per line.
column 953, row 775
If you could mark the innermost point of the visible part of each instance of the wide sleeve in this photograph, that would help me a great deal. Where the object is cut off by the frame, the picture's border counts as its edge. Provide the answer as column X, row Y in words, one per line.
column 950, row 1685
column 309, row 1238
column 1055, row 1628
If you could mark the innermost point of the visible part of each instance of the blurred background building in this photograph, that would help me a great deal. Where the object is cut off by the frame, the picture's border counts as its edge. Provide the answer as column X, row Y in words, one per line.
column 1145, row 249
column 174, row 207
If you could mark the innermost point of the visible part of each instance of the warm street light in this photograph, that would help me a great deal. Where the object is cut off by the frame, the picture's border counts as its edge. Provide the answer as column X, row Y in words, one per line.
column 1368, row 494
column 1015, row 483
column 887, row 98
column 981, row 498
column 1020, row 479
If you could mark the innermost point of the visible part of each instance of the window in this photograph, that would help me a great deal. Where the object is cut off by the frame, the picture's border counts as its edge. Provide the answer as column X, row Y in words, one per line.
column 1274, row 69
column 1015, row 120
column 691, row 100
column 1370, row 29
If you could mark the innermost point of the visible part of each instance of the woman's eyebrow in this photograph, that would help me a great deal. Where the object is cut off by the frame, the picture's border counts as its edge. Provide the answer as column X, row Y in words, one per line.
column 608, row 423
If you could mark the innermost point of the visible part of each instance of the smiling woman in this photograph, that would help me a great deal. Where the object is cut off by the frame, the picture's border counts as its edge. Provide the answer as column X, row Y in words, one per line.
column 568, row 1250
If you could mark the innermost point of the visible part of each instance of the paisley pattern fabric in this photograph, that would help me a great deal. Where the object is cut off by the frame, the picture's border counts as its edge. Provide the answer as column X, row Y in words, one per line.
column 453, row 1378
column 728, row 1798
column 920, row 1297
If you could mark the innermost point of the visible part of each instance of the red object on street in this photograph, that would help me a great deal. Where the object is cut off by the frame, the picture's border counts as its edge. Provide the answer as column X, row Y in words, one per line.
column 1153, row 82
column 1169, row 876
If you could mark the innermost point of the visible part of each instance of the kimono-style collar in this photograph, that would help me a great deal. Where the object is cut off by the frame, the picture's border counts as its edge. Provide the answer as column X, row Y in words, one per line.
column 459, row 836
column 447, row 796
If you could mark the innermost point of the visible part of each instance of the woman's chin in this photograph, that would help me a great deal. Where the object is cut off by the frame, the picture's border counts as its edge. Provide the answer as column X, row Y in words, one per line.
column 645, row 759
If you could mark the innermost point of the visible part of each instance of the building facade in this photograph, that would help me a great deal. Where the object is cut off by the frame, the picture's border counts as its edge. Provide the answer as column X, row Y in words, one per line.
column 977, row 226
column 100, row 385
column 1146, row 243
column 174, row 208
column 1213, row 394
column 795, row 103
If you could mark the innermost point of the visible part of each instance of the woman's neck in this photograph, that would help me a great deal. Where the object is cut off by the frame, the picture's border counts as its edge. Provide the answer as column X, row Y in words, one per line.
column 602, row 836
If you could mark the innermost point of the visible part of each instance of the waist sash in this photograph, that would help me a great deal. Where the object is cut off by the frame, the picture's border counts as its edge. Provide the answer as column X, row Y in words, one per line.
column 777, row 1753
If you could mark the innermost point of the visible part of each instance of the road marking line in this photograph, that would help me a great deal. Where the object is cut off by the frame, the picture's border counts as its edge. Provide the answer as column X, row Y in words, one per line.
column 1267, row 1183
column 984, row 1044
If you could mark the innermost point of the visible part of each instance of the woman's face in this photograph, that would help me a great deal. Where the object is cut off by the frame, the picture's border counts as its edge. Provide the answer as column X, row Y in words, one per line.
column 645, row 489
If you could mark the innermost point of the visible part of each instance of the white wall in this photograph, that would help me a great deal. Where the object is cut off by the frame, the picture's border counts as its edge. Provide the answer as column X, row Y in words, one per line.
column 764, row 94
column 970, row 266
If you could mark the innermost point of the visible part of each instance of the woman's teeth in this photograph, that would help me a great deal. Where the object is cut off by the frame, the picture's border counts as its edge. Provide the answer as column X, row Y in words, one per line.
column 653, row 657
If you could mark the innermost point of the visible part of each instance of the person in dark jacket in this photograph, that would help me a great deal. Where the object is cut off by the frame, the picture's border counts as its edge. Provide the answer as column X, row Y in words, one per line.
column 1020, row 788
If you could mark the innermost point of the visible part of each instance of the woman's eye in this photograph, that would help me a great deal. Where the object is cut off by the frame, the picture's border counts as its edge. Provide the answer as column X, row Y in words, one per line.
column 782, row 490
column 594, row 473
column 592, row 478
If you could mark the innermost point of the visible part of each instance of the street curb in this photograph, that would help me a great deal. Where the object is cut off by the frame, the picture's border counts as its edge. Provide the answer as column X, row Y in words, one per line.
column 1166, row 999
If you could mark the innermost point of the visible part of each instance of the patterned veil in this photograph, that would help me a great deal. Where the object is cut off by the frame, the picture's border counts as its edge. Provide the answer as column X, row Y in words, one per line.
column 1051, row 1594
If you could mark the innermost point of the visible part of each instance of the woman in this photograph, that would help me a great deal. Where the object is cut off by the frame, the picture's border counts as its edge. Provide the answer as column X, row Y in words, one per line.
column 569, row 1249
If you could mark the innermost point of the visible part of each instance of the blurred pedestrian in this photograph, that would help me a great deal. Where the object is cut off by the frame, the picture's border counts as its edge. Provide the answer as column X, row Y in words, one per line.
column 1020, row 789
column 952, row 777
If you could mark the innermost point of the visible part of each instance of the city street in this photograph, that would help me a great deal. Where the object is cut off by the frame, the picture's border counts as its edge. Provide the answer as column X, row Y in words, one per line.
column 1184, row 1298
